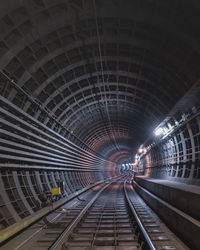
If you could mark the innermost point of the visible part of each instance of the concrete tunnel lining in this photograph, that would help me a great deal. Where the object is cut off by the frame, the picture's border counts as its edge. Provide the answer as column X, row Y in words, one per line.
column 83, row 85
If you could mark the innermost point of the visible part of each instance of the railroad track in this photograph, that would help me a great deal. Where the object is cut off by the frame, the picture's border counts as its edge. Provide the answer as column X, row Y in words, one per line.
column 117, row 218
column 111, row 217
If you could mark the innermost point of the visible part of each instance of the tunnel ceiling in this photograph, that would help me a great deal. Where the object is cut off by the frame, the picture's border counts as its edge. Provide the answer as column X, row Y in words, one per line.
column 107, row 71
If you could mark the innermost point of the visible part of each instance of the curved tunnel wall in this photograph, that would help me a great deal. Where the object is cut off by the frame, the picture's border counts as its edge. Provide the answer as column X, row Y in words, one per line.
column 176, row 156
column 33, row 160
column 83, row 84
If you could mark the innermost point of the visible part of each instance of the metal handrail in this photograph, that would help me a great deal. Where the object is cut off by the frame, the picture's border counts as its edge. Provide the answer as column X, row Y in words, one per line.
column 143, row 230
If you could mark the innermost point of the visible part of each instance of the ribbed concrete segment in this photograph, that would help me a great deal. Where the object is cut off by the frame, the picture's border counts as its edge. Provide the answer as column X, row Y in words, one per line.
column 92, row 90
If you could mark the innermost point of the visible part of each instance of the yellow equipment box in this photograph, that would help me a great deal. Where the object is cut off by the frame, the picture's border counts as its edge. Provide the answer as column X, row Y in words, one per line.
column 55, row 191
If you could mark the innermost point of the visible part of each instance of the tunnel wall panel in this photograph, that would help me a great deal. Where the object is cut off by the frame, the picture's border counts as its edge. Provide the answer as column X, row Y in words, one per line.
column 22, row 198
column 177, row 156
column 33, row 159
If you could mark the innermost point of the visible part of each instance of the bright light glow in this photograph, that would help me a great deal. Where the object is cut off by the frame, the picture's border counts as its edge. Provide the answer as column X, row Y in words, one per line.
column 158, row 131
column 165, row 130
column 140, row 150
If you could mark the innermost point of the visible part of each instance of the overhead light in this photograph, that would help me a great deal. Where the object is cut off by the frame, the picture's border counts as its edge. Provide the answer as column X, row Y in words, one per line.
column 158, row 131
column 140, row 150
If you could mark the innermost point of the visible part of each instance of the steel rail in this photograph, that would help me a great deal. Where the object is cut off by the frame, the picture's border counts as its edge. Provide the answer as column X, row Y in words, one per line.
column 14, row 230
column 62, row 238
column 141, row 227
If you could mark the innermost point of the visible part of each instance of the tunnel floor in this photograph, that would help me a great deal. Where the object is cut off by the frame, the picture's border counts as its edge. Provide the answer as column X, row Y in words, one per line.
column 108, row 223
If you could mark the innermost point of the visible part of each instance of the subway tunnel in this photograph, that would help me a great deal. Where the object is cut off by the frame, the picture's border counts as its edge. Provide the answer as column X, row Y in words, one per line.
column 94, row 92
